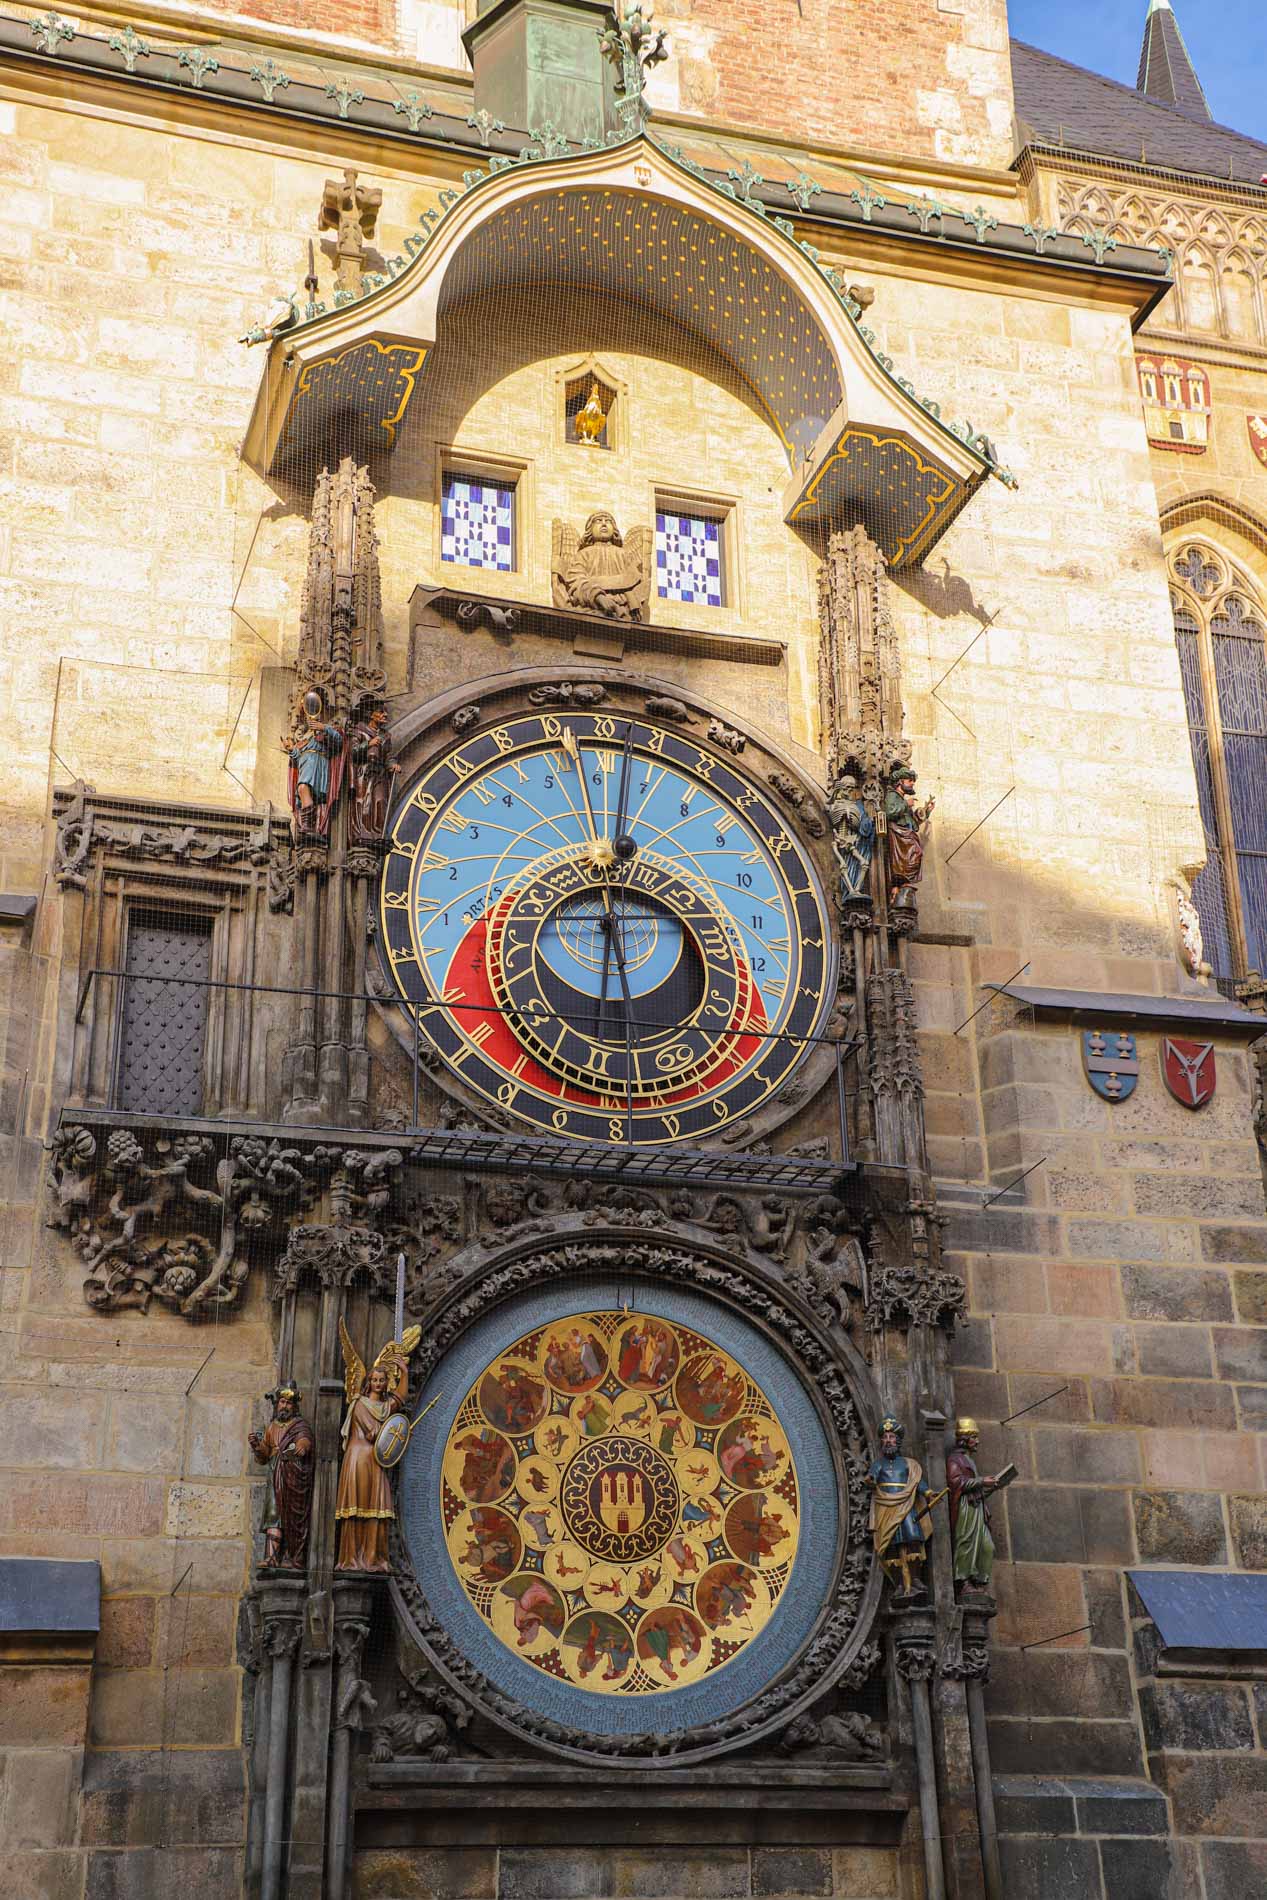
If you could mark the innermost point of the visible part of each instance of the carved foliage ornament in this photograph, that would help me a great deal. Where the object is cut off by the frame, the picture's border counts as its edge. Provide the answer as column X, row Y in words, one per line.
column 83, row 828
column 183, row 1218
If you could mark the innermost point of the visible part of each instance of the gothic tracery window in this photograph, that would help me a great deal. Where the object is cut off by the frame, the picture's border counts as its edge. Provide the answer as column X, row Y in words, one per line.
column 1221, row 633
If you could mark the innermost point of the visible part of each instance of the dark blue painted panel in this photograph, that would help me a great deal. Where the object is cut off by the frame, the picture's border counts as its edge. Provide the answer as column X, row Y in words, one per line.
column 50, row 1593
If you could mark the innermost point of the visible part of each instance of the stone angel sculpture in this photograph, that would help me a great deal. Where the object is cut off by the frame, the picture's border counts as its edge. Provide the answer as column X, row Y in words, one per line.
column 364, row 1507
column 601, row 571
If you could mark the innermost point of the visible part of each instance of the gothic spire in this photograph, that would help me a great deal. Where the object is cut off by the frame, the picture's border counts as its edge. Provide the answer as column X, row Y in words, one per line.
column 1165, row 70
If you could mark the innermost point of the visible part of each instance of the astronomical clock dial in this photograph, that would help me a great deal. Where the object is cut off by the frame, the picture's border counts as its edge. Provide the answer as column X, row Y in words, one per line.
column 604, row 928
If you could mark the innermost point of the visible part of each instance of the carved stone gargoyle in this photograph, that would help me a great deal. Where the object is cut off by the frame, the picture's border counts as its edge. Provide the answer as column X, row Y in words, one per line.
column 601, row 571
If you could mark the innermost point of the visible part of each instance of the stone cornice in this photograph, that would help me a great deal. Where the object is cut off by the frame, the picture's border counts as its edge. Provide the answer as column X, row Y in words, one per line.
column 449, row 139
column 1199, row 185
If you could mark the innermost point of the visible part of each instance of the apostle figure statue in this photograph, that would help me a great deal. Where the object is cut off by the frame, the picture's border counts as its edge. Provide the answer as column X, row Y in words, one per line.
column 372, row 773
column 316, row 769
column 969, row 1511
column 907, row 823
column 899, row 1507
column 853, row 839
column 602, row 572
column 287, row 1446
column 364, row 1506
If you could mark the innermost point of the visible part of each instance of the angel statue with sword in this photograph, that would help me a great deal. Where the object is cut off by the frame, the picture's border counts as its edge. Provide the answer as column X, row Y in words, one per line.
column 364, row 1506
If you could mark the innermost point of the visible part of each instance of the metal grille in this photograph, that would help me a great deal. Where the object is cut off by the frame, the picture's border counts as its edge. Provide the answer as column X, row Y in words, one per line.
column 164, row 1018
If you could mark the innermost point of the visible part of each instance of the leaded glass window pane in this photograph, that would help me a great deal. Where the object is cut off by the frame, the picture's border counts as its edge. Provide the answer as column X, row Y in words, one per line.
column 688, row 559
column 477, row 523
column 1240, row 670
column 1208, row 893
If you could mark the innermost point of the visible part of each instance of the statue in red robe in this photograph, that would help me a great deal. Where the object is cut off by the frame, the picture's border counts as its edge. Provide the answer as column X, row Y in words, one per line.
column 288, row 1447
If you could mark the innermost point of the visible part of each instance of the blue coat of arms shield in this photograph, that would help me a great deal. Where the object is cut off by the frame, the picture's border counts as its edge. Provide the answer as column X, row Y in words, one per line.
column 1111, row 1061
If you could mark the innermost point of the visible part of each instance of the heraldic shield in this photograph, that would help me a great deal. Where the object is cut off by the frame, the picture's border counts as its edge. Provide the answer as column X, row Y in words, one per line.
column 1111, row 1061
column 389, row 1446
column 1188, row 1070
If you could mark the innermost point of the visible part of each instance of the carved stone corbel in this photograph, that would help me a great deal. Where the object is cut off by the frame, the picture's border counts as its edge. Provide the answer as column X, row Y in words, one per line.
column 175, row 1218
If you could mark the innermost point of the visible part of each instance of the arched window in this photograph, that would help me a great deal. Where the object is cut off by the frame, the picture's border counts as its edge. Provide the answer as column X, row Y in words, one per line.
column 1221, row 632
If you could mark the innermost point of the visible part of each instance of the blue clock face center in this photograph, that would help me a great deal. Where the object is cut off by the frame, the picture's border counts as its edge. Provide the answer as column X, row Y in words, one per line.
column 574, row 943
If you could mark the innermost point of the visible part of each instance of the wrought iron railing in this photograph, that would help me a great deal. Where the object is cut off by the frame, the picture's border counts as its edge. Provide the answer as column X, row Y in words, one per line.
column 98, row 1080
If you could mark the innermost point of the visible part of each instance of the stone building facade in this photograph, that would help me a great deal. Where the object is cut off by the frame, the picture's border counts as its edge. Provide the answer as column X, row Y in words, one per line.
column 695, row 464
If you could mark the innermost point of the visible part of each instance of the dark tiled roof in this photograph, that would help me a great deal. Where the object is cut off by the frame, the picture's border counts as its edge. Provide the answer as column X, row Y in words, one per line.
column 1166, row 71
column 1060, row 104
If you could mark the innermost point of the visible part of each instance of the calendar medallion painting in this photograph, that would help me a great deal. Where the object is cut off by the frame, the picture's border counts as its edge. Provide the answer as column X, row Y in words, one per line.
column 620, row 1502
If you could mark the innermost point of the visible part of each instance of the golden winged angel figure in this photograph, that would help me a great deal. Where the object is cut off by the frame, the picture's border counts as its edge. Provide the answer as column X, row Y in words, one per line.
column 364, row 1505
column 601, row 571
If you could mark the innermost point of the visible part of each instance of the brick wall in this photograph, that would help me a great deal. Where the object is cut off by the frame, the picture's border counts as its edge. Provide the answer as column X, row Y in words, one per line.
column 925, row 78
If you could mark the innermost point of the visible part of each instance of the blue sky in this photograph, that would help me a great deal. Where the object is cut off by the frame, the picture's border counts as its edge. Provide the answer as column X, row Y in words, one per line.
column 1227, row 40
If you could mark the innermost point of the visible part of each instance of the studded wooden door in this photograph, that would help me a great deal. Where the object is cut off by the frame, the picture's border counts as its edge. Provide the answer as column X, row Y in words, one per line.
column 164, row 1023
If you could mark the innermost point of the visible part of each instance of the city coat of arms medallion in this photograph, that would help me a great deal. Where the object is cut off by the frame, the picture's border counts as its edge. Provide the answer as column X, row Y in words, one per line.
column 1111, row 1061
column 1257, row 426
column 1188, row 1070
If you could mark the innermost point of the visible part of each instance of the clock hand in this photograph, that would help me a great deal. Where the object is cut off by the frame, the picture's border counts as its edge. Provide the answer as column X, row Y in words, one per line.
column 600, row 850
column 623, row 847
column 601, row 856
column 623, row 850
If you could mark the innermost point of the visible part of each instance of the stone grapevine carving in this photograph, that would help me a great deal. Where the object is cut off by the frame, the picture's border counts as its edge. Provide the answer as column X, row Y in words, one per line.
column 185, row 1218
column 915, row 1663
column 903, row 1296
column 175, row 1218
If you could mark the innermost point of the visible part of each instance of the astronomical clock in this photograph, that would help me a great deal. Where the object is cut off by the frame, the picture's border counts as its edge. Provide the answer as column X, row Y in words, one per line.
column 606, row 925
column 606, row 921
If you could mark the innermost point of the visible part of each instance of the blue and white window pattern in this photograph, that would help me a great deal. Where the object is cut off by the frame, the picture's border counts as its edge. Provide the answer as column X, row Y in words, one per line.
column 477, row 523
column 688, row 559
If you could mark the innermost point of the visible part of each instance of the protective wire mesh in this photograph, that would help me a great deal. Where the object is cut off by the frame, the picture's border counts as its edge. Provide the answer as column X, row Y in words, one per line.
column 689, row 431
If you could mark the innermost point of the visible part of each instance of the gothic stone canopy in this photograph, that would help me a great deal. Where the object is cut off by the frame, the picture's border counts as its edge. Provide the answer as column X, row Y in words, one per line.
column 636, row 224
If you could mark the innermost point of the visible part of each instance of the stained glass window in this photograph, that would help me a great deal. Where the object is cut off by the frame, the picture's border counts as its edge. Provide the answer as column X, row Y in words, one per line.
column 477, row 523
column 688, row 556
column 1240, row 672
column 1221, row 636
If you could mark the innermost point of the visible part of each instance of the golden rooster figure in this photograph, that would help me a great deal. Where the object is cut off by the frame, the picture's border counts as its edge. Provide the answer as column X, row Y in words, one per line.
column 591, row 422
column 364, row 1505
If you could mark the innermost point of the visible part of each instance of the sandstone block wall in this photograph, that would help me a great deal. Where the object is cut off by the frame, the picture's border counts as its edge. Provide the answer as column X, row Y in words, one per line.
column 147, row 579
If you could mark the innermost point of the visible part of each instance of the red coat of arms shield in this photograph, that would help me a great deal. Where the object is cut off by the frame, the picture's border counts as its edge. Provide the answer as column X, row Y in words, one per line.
column 1257, row 426
column 1188, row 1070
